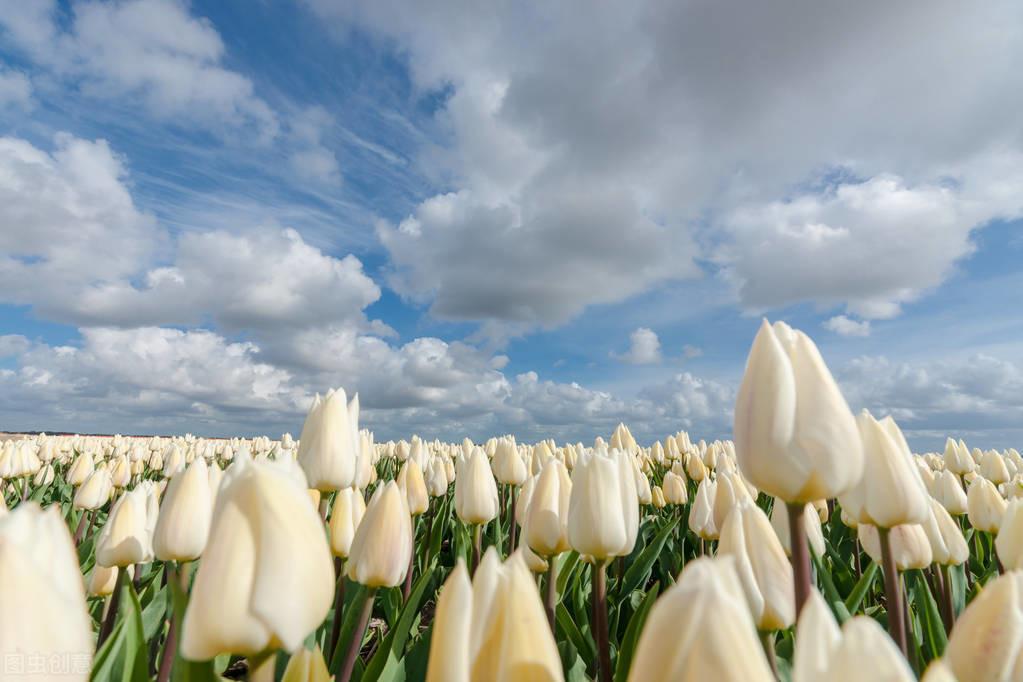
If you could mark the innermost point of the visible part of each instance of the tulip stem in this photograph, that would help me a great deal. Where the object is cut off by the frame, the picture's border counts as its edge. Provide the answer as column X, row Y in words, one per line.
column 407, row 587
column 355, row 646
column 514, row 500
column 80, row 528
column 170, row 647
column 115, row 605
column 800, row 554
column 477, row 536
column 946, row 598
column 551, row 593
column 24, row 489
column 339, row 605
column 600, row 631
column 893, row 595
column 767, row 639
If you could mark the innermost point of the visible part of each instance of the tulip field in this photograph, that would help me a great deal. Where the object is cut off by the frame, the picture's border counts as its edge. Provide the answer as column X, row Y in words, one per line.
column 812, row 545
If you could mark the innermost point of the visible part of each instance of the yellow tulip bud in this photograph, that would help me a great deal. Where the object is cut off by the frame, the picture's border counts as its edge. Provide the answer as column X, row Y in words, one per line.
column 307, row 666
column 410, row 479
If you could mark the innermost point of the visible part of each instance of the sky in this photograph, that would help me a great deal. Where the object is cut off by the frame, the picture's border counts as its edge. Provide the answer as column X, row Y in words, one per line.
column 486, row 218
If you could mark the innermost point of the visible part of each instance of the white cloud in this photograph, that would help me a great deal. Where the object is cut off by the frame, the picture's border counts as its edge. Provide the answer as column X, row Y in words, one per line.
column 15, row 90
column 844, row 326
column 644, row 348
column 151, row 49
column 700, row 131
column 690, row 352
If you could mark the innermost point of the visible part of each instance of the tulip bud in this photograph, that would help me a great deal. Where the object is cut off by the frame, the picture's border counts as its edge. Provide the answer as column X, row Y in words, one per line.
column 1009, row 542
column 509, row 467
column 730, row 492
column 761, row 564
column 44, row 612
column 817, row 638
column 910, row 545
column 476, row 500
column 452, row 622
column 700, row 629
column 795, row 437
column 307, row 666
column 410, row 479
column 81, row 469
column 328, row 447
column 382, row 545
column 701, row 516
column 349, row 508
column 44, row 476
column 126, row 537
column 674, row 488
column 603, row 512
column 947, row 542
column 988, row 636
column 949, row 492
column 992, row 467
column 184, row 519
column 103, row 580
column 546, row 520
column 657, row 497
column 811, row 525
column 891, row 492
column 95, row 492
column 867, row 653
column 938, row 671
column 985, row 506
column 266, row 577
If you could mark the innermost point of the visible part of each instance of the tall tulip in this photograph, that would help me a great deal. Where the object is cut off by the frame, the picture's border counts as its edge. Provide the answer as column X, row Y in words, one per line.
column 184, row 521
column 476, row 499
column 328, row 448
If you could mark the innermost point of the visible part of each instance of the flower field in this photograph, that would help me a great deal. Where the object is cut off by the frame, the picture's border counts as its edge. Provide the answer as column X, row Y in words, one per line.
column 813, row 545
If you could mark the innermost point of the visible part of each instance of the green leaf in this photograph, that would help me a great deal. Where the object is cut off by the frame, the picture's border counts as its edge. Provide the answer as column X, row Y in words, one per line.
column 831, row 594
column 568, row 565
column 855, row 598
column 584, row 645
column 632, row 632
column 391, row 650
column 124, row 656
column 353, row 609
column 639, row 571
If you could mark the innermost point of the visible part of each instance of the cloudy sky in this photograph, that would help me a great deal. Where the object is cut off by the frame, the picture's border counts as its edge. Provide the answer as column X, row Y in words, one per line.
column 491, row 218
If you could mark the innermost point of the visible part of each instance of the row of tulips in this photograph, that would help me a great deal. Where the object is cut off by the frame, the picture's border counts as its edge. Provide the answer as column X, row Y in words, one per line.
column 813, row 546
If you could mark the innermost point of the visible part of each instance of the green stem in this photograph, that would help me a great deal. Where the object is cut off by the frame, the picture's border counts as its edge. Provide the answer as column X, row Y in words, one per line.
column 551, row 592
column 893, row 595
column 600, row 628
column 115, row 605
column 355, row 646
column 800, row 554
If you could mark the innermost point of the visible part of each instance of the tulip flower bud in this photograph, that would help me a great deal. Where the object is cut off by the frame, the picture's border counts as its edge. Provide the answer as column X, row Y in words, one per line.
column 761, row 564
column 103, row 580
column 345, row 517
column 1009, row 542
column 993, row 468
column 988, row 635
column 44, row 611
column 730, row 492
column 867, row 653
column 546, row 517
column 184, row 518
column 476, row 500
column 120, row 475
column 266, row 577
column 643, row 492
column 700, row 629
column 695, row 467
column 910, row 545
column 938, row 671
column 674, row 488
column 817, row 638
column 985, row 506
column 657, row 497
column 410, row 479
column 891, row 492
column 449, row 656
column 307, row 666
column 701, row 515
column 328, row 447
column 603, row 512
column 949, row 492
column 82, row 468
column 795, row 437
column 509, row 467
column 811, row 525
column 95, row 492
column 382, row 544
column 947, row 542
column 44, row 476
column 126, row 537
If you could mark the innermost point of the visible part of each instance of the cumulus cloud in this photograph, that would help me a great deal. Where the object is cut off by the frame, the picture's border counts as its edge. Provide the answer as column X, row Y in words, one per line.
column 700, row 131
column 845, row 326
column 644, row 348
column 153, row 49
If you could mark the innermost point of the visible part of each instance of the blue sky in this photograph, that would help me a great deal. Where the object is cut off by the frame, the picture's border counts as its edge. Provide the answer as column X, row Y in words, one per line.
column 513, row 218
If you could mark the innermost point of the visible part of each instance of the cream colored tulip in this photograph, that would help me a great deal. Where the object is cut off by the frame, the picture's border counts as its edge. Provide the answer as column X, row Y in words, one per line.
column 701, row 514
column 476, row 499
column 957, row 458
column 730, row 492
column 891, row 492
column 674, row 488
column 1009, row 542
column 183, row 525
column 103, row 580
column 985, row 506
column 657, row 498
column 382, row 545
column 307, row 665
column 126, row 537
column 603, row 512
column 95, row 491
column 545, row 530
column 508, row 465
column 811, row 526
column 700, row 629
column 938, row 671
column 910, row 545
column 410, row 479
column 762, row 566
column 949, row 492
column 993, row 468
column 866, row 652
column 81, row 469
column 452, row 624
column 817, row 639
column 345, row 517
column 44, row 610
column 947, row 542
column 795, row 437
column 988, row 636
column 266, row 579
column 328, row 447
